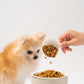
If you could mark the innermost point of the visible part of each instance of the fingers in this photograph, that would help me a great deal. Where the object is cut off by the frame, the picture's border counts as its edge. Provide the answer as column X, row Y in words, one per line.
column 67, row 39
column 67, row 43
column 66, row 49
column 64, row 36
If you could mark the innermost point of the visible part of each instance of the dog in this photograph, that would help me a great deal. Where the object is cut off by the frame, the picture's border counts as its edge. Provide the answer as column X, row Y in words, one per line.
column 20, row 58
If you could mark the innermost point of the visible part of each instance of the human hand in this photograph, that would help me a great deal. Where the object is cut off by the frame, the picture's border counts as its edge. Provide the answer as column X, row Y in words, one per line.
column 70, row 38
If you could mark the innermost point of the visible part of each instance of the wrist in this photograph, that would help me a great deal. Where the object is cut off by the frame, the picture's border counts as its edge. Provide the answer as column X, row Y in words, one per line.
column 81, row 37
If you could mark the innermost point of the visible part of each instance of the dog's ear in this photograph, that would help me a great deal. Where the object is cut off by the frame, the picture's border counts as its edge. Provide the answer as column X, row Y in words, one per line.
column 26, row 41
column 41, row 36
column 21, row 42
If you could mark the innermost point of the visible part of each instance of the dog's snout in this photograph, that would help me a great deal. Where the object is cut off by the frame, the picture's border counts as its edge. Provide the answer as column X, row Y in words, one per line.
column 35, row 57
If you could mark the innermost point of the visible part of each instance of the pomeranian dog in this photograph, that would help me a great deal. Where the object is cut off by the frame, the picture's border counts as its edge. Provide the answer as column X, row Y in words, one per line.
column 20, row 58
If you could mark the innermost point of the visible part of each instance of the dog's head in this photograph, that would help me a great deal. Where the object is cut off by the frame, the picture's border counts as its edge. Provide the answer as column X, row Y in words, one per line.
column 29, row 47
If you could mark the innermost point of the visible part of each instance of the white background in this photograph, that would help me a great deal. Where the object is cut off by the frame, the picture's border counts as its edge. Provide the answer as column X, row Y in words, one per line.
column 20, row 17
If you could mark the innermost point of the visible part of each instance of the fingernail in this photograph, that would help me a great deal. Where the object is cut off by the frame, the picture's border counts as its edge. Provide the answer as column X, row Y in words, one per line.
column 64, row 52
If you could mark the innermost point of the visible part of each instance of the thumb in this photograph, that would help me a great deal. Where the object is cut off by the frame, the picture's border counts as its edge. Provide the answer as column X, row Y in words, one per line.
column 67, row 43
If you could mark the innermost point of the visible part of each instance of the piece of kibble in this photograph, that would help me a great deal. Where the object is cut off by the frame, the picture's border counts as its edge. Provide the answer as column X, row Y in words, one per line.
column 45, row 57
column 50, row 50
column 50, row 74
column 50, row 62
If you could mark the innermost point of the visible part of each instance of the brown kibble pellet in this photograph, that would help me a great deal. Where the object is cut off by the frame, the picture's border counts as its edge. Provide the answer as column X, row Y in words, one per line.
column 50, row 74
column 50, row 50
column 45, row 57
column 50, row 62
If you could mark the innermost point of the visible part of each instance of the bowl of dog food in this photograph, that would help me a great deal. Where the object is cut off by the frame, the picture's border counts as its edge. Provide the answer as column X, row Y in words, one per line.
column 49, row 77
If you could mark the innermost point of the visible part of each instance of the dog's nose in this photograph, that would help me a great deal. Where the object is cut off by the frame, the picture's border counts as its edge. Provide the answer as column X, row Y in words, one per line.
column 35, row 57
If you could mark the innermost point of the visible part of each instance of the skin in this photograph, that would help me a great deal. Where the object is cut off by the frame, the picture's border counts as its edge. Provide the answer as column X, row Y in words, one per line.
column 70, row 38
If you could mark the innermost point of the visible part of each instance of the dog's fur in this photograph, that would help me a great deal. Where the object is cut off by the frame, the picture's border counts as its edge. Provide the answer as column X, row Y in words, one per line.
column 15, row 62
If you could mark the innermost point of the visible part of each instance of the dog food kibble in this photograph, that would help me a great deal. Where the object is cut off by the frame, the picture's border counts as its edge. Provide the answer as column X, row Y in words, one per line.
column 50, row 62
column 45, row 57
column 50, row 50
column 49, row 74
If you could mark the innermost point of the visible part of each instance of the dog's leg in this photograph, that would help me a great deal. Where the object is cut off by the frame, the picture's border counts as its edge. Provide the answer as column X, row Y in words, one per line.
column 5, row 80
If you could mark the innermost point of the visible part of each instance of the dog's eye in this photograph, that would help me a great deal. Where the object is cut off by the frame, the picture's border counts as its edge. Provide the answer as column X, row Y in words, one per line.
column 38, row 51
column 29, row 52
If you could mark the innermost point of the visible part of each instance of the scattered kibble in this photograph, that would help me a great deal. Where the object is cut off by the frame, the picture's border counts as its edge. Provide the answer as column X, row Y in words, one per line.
column 50, row 50
column 45, row 57
column 50, row 62
column 50, row 74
